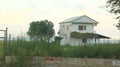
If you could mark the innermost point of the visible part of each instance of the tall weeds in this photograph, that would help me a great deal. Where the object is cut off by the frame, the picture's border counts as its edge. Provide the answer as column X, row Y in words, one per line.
column 21, row 47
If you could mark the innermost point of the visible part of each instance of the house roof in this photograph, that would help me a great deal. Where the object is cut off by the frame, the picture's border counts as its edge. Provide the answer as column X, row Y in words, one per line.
column 79, row 19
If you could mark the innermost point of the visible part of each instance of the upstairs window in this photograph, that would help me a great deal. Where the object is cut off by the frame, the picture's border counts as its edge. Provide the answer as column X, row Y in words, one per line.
column 82, row 28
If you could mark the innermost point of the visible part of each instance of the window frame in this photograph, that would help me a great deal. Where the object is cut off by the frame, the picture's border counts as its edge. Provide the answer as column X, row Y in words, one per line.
column 81, row 27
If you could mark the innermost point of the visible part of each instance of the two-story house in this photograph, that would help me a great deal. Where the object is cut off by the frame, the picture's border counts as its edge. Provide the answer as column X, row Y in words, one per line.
column 78, row 30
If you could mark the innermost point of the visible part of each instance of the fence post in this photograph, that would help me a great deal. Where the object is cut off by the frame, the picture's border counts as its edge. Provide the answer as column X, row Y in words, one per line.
column 6, row 39
column 5, row 44
column 9, row 39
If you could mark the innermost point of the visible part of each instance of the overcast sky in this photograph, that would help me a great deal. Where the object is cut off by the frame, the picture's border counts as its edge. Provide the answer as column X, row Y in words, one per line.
column 18, row 14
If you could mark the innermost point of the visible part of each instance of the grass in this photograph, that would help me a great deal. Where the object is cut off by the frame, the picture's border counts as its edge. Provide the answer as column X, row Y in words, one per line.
column 1, row 52
column 22, row 47
column 1, row 48
column 24, row 51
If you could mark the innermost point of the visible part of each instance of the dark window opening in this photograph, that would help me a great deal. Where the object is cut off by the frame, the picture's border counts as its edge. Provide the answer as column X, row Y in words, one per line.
column 82, row 27
column 84, row 40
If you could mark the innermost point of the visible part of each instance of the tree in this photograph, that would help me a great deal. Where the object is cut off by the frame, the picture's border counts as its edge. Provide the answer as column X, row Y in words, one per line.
column 41, row 30
column 115, row 8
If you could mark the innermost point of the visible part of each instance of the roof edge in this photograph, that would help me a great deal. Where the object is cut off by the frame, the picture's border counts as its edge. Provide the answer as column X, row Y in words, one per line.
column 71, row 21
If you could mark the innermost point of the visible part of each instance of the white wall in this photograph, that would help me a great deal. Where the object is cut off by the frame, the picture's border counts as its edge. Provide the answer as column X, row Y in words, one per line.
column 69, row 27
column 65, row 33
column 77, row 42
column 89, row 28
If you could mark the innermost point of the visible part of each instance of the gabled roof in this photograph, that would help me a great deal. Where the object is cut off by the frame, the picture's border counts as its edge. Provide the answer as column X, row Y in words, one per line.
column 80, row 19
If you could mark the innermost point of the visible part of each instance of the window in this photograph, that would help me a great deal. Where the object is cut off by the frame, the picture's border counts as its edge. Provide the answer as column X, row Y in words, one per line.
column 84, row 40
column 82, row 28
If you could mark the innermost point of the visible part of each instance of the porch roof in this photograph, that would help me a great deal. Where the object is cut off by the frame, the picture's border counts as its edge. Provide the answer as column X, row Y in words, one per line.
column 87, row 35
column 101, row 36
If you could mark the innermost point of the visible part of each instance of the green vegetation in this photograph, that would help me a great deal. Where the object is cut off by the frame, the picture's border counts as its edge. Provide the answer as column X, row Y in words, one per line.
column 1, row 53
column 82, row 35
column 1, row 48
column 21, row 48
column 24, row 51
column 41, row 30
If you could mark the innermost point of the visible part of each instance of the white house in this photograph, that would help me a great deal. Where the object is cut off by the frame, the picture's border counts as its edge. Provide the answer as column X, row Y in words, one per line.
column 74, row 30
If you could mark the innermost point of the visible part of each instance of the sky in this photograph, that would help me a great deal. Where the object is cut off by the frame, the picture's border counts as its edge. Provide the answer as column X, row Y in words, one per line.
column 18, row 14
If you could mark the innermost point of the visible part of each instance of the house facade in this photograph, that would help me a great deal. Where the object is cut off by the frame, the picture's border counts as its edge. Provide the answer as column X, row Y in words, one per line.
column 80, row 24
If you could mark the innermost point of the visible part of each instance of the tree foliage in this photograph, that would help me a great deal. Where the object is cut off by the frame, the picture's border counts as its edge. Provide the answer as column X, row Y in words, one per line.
column 115, row 8
column 41, row 29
